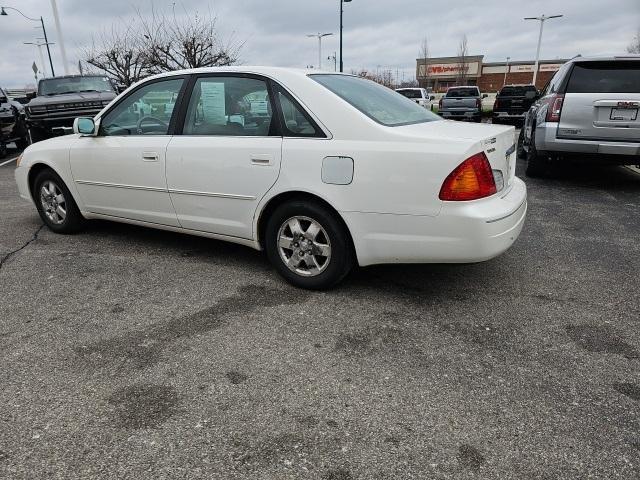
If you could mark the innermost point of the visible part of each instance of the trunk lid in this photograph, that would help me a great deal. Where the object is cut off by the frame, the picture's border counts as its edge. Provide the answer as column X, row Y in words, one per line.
column 496, row 141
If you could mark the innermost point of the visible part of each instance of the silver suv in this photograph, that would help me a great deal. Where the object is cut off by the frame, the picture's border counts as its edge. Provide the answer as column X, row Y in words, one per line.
column 589, row 112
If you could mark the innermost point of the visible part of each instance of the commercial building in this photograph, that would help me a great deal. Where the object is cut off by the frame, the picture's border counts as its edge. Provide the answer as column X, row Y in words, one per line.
column 444, row 72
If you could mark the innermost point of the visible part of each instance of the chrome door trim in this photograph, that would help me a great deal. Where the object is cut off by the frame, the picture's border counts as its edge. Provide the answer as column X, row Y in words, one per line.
column 119, row 185
column 212, row 194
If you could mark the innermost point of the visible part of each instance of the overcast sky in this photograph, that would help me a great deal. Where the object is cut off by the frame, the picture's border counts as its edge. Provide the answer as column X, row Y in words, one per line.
column 378, row 33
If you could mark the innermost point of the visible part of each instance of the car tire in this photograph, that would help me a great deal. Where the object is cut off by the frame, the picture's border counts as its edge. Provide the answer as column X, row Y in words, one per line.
column 521, row 152
column 537, row 164
column 309, row 245
column 56, row 206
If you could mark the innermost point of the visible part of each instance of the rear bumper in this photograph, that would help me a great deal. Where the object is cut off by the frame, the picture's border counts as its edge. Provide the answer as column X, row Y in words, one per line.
column 509, row 116
column 459, row 114
column 463, row 232
column 622, row 152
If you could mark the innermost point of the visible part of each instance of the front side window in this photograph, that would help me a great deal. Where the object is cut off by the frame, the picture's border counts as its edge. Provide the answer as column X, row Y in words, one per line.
column 146, row 111
column 377, row 102
column 229, row 106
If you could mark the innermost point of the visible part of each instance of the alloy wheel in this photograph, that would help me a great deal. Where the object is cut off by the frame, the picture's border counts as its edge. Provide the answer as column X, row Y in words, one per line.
column 53, row 202
column 304, row 246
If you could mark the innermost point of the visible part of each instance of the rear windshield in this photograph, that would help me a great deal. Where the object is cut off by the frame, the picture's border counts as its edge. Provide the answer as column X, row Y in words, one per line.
column 605, row 77
column 463, row 92
column 379, row 103
column 60, row 85
column 516, row 91
column 410, row 93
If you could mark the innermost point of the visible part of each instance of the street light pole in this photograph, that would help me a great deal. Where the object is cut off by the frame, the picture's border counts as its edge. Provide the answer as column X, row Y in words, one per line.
column 541, row 19
column 505, row 72
column 341, row 12
column 319, row 35
column 63, row 52
column 3, row 12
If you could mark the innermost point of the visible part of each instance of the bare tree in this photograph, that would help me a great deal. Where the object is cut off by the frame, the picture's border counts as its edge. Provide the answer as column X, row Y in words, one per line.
column 424, row 56
column 634, row 46
column 463, row 62
column 186, row 42
column 383, row 77
column 119, row 53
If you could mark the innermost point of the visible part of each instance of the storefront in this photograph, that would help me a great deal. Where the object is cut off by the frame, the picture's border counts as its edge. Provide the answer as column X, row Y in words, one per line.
column 438, row 74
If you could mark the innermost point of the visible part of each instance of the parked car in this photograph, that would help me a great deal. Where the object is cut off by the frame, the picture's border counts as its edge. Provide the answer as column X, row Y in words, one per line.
column 587, row 112
column 512, row 103
column 342, row 171
column 12, row 123
column 419, row 95
column 60, row 100
column 462, row 103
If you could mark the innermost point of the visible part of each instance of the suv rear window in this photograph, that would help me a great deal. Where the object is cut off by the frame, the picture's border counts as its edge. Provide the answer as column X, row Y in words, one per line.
column 605, row 77
column 463, row 92
column 516, row 91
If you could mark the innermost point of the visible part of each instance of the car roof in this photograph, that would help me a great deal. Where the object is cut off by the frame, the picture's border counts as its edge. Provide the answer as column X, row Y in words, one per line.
column 259, row 70
column 605, row 58
column 464, row 86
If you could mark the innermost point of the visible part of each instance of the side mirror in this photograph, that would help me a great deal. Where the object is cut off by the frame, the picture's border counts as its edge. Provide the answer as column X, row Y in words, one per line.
column 485, row 95
column 432, row 97
column 84, row 126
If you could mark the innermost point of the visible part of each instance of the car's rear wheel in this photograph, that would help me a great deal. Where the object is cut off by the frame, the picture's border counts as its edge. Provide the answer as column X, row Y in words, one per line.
column 55, row 204
column 308, row 245
column 537, row 163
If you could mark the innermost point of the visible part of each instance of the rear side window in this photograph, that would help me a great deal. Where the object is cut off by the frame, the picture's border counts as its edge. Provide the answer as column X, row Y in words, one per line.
column 463, row 92
column 605, row 77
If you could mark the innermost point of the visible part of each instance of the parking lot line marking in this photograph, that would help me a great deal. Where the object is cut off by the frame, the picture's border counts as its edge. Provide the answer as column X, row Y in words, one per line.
column 8, row 161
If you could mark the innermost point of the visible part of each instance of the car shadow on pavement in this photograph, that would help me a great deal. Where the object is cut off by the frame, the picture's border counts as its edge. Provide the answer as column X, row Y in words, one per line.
column 589, row 176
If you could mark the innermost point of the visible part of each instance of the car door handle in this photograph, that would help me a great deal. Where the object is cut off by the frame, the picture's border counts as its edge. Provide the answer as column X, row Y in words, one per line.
column 261, row 159
column 150, row 156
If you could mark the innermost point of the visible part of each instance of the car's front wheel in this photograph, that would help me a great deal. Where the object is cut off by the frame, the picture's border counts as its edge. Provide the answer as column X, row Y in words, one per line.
column 55, row 204
column 308, row 245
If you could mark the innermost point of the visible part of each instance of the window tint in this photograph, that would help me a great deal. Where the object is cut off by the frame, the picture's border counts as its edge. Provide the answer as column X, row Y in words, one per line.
column 410, row 93
column 297, row 122
column 229, row 106
column 554, row 84
column 605, row 77
column 379, row 103
column 145, row 111
column 463, row 92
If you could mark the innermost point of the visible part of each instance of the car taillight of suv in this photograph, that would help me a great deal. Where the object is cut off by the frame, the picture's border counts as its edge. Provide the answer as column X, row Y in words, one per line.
column 555, row 107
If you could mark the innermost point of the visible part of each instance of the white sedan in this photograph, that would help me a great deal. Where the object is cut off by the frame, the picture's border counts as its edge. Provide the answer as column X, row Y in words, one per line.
column 322, row 170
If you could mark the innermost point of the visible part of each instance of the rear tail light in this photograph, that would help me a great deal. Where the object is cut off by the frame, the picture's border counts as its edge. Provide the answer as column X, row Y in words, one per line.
column 440, row 102
column 554, row 109
column 471, row 180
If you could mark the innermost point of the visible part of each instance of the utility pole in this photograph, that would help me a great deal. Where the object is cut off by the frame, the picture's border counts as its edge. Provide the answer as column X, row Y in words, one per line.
column 541, row 19
column 63, row 52
column 505, row 72
column 319, row 36
column 341, row 13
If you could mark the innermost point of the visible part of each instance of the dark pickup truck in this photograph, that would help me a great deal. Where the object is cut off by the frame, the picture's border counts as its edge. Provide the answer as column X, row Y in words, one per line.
column 513, row 102
column 12, row 123
column 61, row 100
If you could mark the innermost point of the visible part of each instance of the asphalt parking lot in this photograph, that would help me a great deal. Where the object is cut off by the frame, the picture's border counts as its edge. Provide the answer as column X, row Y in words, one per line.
column 134, row 353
